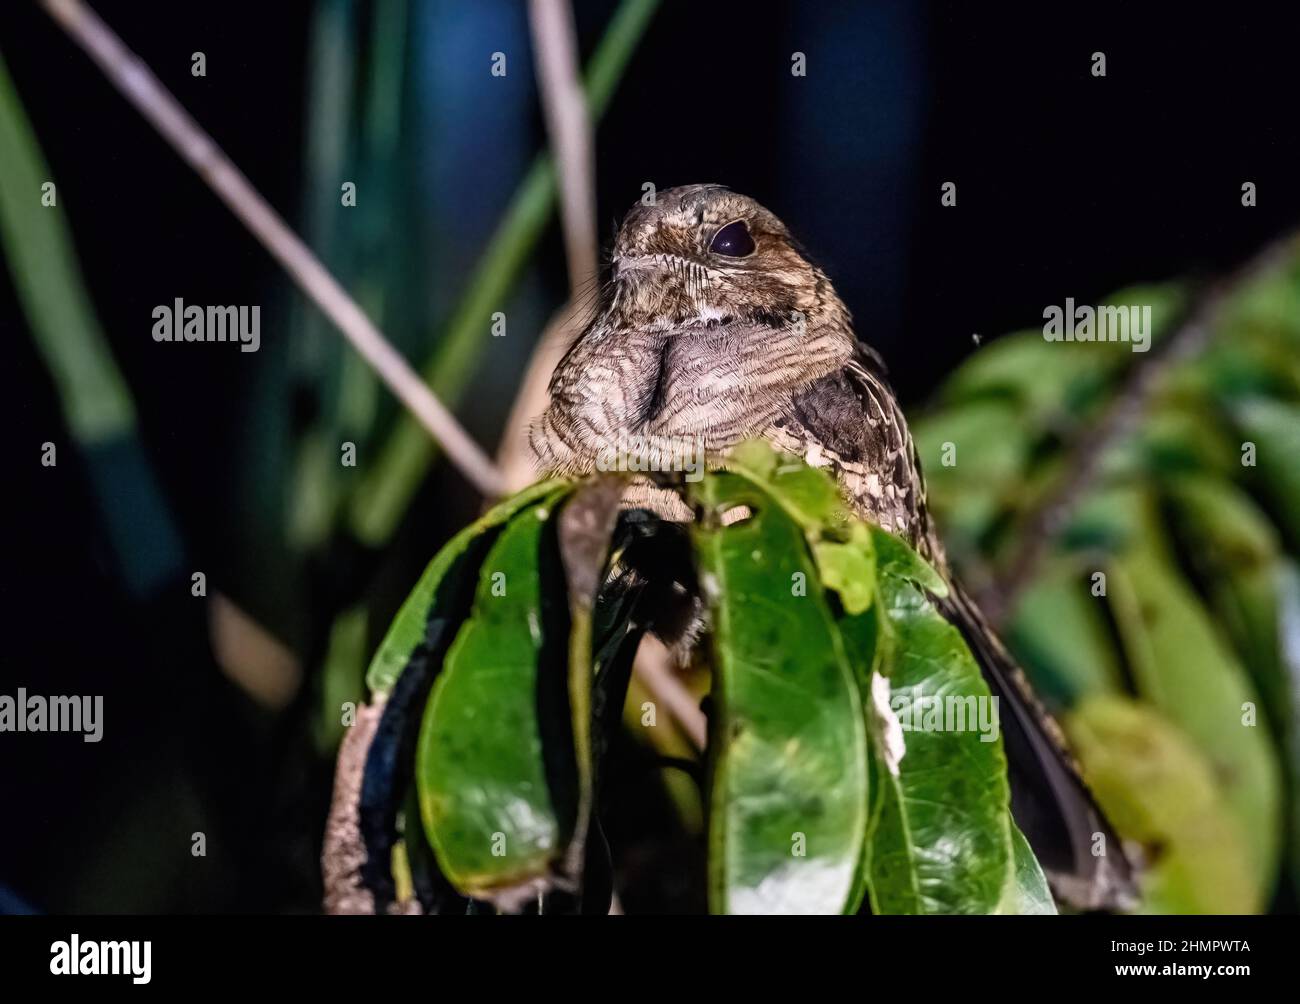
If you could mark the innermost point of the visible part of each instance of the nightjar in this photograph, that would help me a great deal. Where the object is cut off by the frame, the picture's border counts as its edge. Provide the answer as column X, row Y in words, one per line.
column 715, row 328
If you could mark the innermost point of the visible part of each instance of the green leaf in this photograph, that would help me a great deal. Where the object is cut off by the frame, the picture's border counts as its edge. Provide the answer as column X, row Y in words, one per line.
column 1182, row 666
column 495, row 761
column 1160, row 790
column 1235, row 556
column 1274, row 428
column 1107, row 518
column 1255, row 591
column 47, row 278
column 1289, row 644
column 975, row 456
column 457, row 558
column 808, row 496
column 1222, row 515
column 942, row 839
column 1026, row 892
column 1059, row 630
column 1177, row 437
column 849, row 568
column 896, row 559
column 1270, row 304
column 788, row 800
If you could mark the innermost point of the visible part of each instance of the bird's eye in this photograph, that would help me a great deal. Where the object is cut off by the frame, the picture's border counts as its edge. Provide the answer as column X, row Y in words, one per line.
column 733, row 240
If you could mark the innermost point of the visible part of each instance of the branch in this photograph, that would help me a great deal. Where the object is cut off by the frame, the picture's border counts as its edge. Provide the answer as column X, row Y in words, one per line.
column 1046, row 522
column 654, row 668
column 343, row 854
column 139, row 86
column 569, row 130
column 568, row 126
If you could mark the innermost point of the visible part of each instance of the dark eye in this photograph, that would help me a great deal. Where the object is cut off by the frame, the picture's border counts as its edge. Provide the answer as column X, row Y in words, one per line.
column 733, row 240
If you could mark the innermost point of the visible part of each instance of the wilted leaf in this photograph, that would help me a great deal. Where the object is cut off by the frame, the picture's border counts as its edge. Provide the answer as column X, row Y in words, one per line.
column 586, row 525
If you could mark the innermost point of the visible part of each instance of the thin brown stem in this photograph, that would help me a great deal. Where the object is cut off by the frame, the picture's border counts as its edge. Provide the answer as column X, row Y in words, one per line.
column 141, row 87
column 568, row 126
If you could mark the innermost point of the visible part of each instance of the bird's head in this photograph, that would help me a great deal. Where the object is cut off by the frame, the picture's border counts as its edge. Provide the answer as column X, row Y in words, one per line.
column 702, row 256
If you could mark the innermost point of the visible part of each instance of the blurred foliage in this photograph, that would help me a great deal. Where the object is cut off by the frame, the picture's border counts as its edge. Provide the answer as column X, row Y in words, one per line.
column 39, row 253
column 1163, row 622
column 96, row 403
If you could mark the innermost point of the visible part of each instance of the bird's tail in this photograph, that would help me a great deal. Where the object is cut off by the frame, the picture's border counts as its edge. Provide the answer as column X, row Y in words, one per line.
column 1077, row 847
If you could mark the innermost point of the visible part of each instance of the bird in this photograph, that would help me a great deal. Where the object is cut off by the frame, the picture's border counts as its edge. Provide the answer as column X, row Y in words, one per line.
column 715, row 327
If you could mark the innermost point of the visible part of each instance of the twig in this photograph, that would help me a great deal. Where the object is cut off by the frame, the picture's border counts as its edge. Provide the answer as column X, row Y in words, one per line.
column 138, row 85
column 654, row 668
column 1045, row 523
column 569, row 130
column 564, row 103
column 343, row 854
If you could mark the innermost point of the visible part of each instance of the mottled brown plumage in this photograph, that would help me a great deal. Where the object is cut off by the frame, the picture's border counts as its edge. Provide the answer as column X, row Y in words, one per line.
column 694, row 345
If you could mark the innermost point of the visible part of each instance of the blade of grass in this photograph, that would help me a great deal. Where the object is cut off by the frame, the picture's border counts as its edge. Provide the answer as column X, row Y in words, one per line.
column 47, row 277
column 95, row 399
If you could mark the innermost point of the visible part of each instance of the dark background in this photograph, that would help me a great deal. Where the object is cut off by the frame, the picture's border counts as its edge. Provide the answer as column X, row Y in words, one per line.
column 1068, row 185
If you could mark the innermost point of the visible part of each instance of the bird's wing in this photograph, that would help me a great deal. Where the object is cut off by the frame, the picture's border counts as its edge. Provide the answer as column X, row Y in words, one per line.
column 879, row 470
column 851, row 421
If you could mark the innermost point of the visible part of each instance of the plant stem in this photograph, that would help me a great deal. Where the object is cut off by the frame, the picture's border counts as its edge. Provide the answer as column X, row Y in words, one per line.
column 139, row 86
